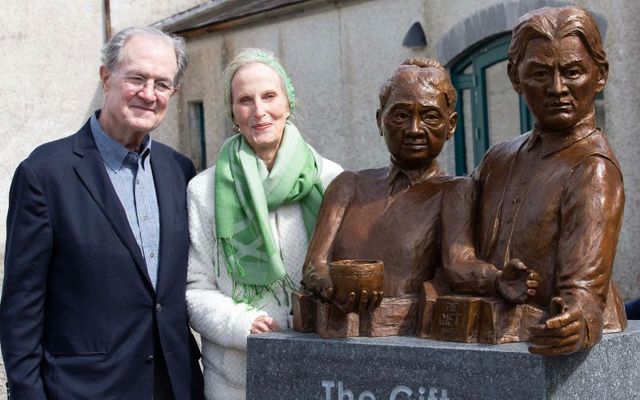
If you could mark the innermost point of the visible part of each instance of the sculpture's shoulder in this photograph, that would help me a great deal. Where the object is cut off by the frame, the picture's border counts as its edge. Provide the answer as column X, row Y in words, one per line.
column 499, row 156
column 342, row 187
column 348, row 183
column 368, row 176
column 450, row 181
column 442, row 178
column 448, row 185
column 362, row 177
column 506, row 148
column 595, row 144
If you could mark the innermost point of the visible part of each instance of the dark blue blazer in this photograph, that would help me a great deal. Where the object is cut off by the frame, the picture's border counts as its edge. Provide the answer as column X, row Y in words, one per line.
column 79, row 315
column 632, row 308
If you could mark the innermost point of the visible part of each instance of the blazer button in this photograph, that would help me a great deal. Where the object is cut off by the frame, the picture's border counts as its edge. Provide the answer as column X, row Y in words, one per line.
column 158, row 307
column 149, row 359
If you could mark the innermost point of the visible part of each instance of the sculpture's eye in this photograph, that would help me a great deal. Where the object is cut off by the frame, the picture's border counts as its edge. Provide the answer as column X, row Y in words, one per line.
column 431, row 117
column 573, row 73
column 400, row 116
column 539, row 74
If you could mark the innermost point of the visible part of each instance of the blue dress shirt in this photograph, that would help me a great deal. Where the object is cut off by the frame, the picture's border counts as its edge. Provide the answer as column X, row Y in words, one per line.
column 132, row 179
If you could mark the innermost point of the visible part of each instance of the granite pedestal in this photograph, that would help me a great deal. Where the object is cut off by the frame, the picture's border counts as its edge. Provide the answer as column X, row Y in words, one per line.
column 290, row 365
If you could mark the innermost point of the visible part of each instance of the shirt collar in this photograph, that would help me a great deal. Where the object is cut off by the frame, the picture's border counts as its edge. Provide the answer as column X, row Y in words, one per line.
column 415, row 176
column 553, row 143
column 114, row 153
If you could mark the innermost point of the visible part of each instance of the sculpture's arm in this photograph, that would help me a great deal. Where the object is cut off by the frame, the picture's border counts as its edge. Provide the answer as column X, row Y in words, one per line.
column 338, row 196
column 590, row 222
column 464, row 271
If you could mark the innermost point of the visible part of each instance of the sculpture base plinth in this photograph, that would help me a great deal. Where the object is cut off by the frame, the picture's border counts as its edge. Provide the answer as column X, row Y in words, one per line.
column 291, row 365
column 395, row 317
column 470, row 319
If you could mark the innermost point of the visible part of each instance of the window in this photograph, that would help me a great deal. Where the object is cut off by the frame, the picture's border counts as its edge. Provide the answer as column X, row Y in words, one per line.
column 197, row 145
column 489, row 110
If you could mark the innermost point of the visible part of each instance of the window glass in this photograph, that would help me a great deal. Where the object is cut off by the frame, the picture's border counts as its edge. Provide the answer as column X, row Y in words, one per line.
column 197, row 146
column 503, row 106
column 468, row 128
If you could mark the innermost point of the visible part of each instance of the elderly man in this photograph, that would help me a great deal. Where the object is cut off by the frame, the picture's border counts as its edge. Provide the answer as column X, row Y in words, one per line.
column 93, row 303
column 394, row 213
column 552, row 198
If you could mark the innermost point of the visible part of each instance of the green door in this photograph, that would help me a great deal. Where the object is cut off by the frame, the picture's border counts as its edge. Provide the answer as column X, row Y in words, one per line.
column 489, row 110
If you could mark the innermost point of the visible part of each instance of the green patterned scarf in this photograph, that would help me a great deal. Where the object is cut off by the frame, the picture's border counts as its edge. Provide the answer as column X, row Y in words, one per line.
column 245, row 193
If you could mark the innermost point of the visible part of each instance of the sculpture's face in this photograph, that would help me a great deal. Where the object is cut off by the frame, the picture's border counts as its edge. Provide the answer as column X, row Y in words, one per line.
column 559, row 81
column 416, row 120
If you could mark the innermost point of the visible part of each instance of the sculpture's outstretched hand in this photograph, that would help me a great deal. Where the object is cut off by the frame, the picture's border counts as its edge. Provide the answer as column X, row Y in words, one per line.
column 564, row 333
column 516, row 283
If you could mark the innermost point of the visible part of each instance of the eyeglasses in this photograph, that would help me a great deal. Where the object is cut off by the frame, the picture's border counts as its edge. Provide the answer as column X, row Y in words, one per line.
column 137, row 83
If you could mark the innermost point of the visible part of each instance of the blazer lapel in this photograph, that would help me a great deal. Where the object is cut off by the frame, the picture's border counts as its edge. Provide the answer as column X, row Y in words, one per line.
column 91, row 171
column 163, row 180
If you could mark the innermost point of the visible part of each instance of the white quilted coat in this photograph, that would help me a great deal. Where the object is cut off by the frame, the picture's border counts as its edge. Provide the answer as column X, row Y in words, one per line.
column 224, row 325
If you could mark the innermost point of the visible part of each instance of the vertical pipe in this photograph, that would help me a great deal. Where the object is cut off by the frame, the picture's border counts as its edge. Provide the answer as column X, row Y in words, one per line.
column 107, row 20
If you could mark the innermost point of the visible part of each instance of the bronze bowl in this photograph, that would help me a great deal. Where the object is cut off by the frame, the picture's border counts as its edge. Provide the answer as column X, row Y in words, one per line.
column 355, row 276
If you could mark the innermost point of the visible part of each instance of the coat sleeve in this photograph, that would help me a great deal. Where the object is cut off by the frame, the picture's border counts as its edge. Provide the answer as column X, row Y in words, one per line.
column 212, row 313
column 22, row 310
column 590, row 221
column 464, row 271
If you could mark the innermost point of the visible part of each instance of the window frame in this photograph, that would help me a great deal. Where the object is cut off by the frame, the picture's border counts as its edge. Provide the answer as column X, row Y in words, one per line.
column 479, row 57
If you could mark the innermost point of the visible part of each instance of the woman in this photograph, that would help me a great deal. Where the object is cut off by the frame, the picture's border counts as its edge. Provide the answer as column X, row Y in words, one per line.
column 250, row 217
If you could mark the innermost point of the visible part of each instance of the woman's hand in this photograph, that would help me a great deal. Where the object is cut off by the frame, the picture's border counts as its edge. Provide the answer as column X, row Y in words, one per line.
column 264, row 324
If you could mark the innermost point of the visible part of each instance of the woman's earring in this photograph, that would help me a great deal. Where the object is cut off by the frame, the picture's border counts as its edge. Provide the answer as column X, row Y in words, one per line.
column 236, row 128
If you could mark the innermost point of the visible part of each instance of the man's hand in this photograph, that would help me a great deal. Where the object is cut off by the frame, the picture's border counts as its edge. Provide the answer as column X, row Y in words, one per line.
column 564, row 333
column 516, row 283
column 264, row 324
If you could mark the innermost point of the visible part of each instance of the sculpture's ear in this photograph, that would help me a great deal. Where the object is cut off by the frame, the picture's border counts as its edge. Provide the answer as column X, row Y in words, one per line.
column 379, row 120
column 512, row 71
column 453, row 121
column 603, row 75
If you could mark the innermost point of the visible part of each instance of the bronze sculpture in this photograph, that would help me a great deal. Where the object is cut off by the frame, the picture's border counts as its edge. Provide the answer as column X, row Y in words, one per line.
column 372, row 214
column 526, row 243
column 394, row 214
column 552, row 198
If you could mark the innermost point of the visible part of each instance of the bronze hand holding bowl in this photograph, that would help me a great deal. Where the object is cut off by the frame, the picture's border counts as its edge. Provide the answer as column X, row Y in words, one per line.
column 357, row 284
